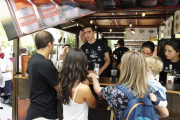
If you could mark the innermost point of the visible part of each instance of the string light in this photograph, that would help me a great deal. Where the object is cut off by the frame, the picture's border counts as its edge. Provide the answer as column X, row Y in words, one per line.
column 110, row 30
column 91, row 22
column 143, row 14
column 130, row 25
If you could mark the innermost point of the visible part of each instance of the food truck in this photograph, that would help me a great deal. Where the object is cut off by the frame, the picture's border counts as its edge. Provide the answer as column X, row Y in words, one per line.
column 136, row 21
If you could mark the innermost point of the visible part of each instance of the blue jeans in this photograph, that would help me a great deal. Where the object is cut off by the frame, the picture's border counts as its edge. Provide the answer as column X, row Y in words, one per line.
column 7, row 88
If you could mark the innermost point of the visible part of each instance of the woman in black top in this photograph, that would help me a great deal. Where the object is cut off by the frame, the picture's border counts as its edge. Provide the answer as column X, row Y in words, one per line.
column 147, row 48
column 172, row 56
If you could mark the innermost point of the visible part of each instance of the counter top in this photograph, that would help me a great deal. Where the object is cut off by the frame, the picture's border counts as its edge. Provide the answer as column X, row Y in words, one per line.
column 107, row 81
column 21, row 76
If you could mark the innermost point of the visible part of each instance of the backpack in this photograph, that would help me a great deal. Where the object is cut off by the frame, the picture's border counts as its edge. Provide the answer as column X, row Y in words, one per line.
column 169, row 2
column 137, row 108
column 149, row 3
column 127, row 3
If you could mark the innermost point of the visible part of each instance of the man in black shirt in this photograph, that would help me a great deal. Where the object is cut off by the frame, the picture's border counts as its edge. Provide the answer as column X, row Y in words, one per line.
column 109, row 68
column 43, row 78
column 120, row 50
column 82, row 36
column 96, row 51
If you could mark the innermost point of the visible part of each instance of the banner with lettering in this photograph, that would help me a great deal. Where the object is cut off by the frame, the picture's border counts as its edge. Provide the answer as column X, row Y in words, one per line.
column 33, row 15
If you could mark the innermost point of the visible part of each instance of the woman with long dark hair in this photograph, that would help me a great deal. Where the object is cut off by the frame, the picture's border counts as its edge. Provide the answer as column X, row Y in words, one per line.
column 75, row 93
column 172, row 56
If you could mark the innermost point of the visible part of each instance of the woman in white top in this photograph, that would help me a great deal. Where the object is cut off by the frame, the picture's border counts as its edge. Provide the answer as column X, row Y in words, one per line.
column 75, row 93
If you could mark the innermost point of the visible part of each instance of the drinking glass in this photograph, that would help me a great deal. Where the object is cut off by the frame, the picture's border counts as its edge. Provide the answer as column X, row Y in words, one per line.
column 96, row 69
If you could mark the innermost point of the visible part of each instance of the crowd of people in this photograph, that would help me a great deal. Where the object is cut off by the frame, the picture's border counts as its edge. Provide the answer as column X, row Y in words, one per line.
column 137, row 73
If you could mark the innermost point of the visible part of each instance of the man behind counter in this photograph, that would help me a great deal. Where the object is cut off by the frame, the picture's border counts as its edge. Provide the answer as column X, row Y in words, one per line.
column 82, row 36
column 95, row 51
column 42, row 80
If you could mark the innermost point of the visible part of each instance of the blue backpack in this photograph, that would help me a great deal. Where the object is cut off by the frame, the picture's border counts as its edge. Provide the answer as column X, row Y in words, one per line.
column 137, row 108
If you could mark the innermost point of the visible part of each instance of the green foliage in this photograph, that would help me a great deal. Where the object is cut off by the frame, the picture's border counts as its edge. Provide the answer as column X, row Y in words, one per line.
column 3, row 38
column 71, row 39
column 110, row 44
column 31, row 50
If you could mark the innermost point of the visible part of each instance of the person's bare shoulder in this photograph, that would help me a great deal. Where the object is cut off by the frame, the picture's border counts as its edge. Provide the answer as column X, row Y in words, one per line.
column 84, row 89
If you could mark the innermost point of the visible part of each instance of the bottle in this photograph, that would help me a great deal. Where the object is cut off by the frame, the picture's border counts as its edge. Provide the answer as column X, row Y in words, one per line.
column 25, row 16
column 47, row 11
column 69, row 8
column 170, row 75
column 157, row 77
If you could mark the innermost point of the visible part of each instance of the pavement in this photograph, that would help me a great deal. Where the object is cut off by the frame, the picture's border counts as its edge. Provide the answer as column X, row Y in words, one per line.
column 6, row 112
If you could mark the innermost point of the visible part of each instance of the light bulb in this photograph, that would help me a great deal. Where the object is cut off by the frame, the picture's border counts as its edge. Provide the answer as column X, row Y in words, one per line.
column 110, row 30
column 143, row 14
column 130, row 25
column 91, row 22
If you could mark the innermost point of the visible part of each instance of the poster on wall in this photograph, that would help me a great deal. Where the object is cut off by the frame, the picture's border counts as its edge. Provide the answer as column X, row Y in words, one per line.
column 177, row 22
column 29, row 16
column 141, row 34
column 167, row 28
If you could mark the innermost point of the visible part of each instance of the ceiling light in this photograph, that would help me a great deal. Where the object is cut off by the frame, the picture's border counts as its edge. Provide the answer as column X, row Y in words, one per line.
column 77, row 24
column 130, row 25
column 143, row 14
column 91, row 22
column 110, row 30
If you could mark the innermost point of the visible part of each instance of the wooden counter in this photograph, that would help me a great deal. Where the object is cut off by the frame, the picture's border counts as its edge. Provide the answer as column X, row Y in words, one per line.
column 21, row 76
column 107, row 81
column 171, row 88
column 173, row 93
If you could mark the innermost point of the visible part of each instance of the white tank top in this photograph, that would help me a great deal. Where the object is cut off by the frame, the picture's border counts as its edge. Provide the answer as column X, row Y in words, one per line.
column 75, row 111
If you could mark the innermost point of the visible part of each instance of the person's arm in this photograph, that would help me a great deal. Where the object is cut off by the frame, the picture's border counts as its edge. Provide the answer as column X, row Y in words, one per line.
column 96, row 84
column 119, row 67
column 106, row 64
column 163, row 111
column 51, row 76
column 89, row 97
column 57, row 88
column 113, row 59
column 158, row 99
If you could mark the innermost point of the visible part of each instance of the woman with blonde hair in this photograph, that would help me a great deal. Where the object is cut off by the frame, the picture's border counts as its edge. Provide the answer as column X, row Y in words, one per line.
column 133, row 75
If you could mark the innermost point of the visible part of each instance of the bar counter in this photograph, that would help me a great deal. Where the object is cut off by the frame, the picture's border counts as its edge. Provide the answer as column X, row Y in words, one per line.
column 107, row 81
column 173, row 92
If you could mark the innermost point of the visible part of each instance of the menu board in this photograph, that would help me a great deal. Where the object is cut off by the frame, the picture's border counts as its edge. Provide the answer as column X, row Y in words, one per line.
column 167, row 28
column 177, row 22
column 33, row 15
column 141, row 34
